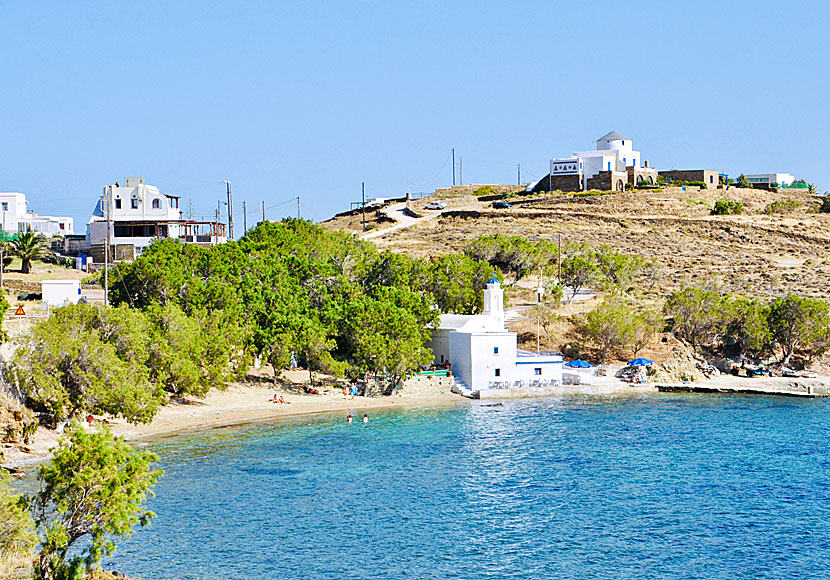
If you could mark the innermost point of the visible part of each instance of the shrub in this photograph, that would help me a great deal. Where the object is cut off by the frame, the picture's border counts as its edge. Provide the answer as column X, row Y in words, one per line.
column 782, row 206
column 744, row 182
column 727, row 207
column 825, row 204
column 484, row 190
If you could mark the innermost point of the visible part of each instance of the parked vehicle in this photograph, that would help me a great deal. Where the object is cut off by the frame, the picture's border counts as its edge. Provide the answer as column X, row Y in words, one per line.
column 501, row 205
column 435, row 205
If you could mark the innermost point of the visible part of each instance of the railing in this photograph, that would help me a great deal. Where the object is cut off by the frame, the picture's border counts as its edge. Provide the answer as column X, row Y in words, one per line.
column 435, row 373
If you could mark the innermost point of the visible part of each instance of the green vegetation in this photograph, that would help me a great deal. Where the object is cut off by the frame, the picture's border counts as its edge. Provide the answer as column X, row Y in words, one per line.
column 28, row 246
column 744, row 182
column 484, row 190
column 825, row 204
column 615, row 324
column 17, row 530
column 705, row 318
column 514, row 254
column 91, row 492
column 727, row 207
column 782, row 206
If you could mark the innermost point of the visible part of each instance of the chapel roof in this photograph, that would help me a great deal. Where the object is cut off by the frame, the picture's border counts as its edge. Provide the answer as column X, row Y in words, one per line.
column 612, row 136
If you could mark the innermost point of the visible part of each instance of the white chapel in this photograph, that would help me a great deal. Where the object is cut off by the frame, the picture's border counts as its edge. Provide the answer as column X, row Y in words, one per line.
column 484, row 355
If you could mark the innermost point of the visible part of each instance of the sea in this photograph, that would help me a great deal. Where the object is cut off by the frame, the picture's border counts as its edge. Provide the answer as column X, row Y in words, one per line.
column 660, row 486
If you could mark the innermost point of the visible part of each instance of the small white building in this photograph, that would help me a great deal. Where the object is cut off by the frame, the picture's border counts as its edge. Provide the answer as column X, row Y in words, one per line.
column 139, row 214
column 771, row 179
column 484, row 355
column 17, row 218
column 57, row 293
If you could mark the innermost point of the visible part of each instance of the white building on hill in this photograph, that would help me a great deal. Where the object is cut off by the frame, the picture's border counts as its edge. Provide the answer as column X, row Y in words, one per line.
column 484, row 355
column 141, row 214
column 771, row 179
column 18, row 218
column 614, row 163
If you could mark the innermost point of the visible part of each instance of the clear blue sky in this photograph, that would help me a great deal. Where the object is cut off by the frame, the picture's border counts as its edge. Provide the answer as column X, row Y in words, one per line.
column 311, row 98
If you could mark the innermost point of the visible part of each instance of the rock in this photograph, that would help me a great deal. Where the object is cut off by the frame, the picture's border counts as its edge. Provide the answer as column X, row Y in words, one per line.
column 681, row 366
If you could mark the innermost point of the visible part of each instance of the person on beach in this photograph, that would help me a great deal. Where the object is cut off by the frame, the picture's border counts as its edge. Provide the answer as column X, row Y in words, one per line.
column 365, row 418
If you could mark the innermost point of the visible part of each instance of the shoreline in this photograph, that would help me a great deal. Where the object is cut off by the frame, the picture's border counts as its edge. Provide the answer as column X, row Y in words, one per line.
column 248, row 403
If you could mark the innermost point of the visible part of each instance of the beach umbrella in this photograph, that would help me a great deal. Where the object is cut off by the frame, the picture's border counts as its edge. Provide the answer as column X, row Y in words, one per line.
column 578, row 364
column 640, row 362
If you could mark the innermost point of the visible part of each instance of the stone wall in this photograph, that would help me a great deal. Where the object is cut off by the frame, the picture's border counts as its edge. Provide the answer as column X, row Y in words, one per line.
column 18, row 286
column 647, row 174
column 707, row 176
column 426, row 385
column 607, row 180
column 559, row 183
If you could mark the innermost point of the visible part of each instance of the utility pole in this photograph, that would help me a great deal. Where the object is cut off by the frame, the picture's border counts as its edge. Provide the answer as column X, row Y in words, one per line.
column 245, row 218
column 2, row 253
column 216, row 226
column 263, row 210
column 519, row 182
column 550, row 177
column 230, row 210
column 453, row 166
column 298, row 208
column 107, row 196
column 363, row 205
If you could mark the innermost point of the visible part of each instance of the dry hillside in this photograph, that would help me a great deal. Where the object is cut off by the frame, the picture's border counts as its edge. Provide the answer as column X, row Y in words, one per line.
column 755, row 253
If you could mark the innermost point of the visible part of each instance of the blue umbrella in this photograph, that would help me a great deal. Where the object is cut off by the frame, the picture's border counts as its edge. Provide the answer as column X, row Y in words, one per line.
column 640, row 362
column 578, row 364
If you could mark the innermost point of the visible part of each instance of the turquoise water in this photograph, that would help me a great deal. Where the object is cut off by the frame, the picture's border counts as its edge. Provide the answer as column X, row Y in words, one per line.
column 669, row 486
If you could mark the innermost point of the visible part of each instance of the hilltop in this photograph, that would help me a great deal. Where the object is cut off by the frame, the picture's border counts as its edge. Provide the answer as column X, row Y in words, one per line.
column 778, row 244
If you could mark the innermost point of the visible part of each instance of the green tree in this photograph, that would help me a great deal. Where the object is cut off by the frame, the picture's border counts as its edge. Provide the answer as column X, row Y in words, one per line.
column 514, row 254
column 17, row 530
column 91, row 492
column 28, row 246
column 744, row 182
column 618, row 270
column 608, row 326
column 746, row 324
column 69, row 369
column 812, row 189
column 579, row 268
column 697, row 315
column 456, row 281
column 798, row 323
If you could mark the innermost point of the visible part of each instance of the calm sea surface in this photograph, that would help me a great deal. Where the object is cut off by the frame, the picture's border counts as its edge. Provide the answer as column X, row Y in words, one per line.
column 670, row 486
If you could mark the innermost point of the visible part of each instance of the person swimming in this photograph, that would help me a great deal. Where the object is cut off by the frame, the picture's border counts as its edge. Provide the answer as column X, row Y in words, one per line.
column 349, row 418
column 365, row 418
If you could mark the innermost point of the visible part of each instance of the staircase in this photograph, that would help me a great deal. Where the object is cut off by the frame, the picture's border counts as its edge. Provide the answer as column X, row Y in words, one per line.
column 459, row 387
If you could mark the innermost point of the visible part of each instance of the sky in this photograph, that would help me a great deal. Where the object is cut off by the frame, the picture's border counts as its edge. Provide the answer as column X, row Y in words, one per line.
column 312, row 99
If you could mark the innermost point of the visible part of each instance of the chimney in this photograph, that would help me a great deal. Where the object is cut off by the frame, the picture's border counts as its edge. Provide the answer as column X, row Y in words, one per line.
column 646, row 164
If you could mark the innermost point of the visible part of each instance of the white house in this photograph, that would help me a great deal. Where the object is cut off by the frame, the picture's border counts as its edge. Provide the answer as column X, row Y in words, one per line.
column 484, row 355
column 614, row 163
column 771, row 179
column 140, row 214
column 17, row 218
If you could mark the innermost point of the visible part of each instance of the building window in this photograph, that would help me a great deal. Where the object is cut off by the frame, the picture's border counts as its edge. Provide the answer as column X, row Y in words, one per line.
column 495, row 350
column 5, row 206
column 498, row 372
column 156, row 204
column 537, row 371
column 117, row 204
column 609, row 166
column 61, row 226
column 442, row 359
column 711, row 179
column 134, row 203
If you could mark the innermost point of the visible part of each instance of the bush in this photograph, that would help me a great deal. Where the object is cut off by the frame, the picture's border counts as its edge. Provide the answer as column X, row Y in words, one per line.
column 17, row 530
column 484, row 190
column 825, row 204
column 782, row 206
column 727, row 207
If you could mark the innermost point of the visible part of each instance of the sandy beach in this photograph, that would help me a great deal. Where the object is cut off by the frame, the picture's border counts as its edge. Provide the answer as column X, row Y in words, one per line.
column 249, row 402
